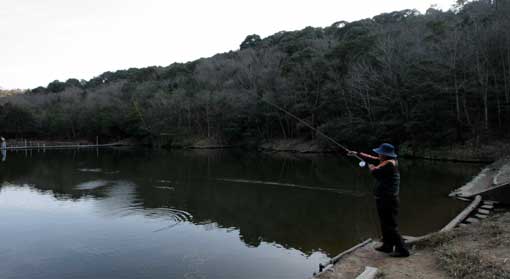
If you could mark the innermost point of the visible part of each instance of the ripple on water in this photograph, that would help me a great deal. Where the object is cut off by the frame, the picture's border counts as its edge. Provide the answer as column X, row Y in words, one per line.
column 90, row 185
column 90, row 170
column 169, row 188
column 171, row 215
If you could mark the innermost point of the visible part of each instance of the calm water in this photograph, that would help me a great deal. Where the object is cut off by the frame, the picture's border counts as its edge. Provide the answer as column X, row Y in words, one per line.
column 195, row 214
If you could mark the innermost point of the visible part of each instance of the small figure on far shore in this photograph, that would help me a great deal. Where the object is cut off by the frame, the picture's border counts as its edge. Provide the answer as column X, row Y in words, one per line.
column 384, row 168
column 3, row 147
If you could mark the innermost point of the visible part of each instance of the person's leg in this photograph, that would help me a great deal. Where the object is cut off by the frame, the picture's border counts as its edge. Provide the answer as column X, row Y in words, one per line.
column 384, row 213
column 400, row 247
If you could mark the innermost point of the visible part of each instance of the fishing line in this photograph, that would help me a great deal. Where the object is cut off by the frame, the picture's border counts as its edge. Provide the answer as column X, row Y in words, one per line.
column 361, row 163
column 290, row 185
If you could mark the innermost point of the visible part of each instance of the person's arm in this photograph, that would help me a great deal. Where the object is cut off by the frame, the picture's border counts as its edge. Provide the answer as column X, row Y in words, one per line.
column 366, row 157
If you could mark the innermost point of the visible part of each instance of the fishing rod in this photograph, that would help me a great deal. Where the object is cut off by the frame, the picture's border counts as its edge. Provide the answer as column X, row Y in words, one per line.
column 362, row 162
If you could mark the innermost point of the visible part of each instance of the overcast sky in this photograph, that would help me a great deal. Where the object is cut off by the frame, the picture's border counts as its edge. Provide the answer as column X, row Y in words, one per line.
column 44, row 40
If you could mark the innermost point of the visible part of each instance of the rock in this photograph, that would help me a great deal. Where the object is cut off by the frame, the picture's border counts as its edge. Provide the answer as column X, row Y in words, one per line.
column 370, row 272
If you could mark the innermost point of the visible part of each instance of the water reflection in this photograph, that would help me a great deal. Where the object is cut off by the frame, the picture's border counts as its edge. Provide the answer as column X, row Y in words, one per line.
column 249, row 196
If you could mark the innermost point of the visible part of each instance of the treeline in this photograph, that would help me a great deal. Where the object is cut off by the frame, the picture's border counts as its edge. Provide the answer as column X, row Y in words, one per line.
column 434, row 78
column 9, row 92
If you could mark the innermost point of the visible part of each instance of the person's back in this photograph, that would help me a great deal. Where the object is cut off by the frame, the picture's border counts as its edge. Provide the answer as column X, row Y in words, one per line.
column 387, row 179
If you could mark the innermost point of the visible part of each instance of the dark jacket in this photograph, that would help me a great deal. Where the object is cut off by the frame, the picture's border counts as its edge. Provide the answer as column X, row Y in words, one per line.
column 387, row 181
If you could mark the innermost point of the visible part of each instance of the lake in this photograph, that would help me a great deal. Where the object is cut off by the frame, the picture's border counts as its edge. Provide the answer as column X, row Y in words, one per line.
column 136, row 213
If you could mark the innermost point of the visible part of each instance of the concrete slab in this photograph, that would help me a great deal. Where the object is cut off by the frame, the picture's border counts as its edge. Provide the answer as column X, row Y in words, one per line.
column 369, row 273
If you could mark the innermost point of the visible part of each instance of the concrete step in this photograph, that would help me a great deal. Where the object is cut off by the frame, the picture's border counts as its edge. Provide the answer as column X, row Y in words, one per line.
column 472, row 220
column 484, row 211
column 490, row 202
column 487, row 206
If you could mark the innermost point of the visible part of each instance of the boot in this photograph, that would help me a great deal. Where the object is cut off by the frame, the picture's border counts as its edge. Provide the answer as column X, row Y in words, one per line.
column 400, row 253
column 385, row 248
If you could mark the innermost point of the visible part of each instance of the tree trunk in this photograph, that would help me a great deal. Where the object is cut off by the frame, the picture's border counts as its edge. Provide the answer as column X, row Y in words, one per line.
column 189, row 116
column 466, row 111
column 485, row 109
column 506, row 76
column 282, row 127
column 486, row 102
column 208, row 120
column 347, row 107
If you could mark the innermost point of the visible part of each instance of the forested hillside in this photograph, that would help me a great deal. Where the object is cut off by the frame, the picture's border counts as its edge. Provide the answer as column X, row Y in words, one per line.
column 435, row 79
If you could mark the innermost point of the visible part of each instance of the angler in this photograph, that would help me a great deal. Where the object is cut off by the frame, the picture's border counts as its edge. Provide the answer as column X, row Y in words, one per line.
column 384, row 168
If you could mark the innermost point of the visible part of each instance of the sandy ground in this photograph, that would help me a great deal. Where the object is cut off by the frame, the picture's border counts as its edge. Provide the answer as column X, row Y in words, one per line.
column 422, row 264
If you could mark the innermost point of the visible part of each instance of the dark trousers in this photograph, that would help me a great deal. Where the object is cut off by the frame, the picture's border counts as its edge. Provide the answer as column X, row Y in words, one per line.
column 387, row 208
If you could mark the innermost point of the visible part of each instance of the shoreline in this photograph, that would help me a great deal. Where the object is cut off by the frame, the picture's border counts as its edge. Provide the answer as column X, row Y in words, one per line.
column 457, row 153
column 53, row 144
column 454, row 153
column 445, row 253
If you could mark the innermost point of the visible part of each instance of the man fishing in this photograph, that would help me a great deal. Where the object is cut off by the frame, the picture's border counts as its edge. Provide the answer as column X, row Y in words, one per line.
column 386, row 189
column 384, row 168
column 3, row 148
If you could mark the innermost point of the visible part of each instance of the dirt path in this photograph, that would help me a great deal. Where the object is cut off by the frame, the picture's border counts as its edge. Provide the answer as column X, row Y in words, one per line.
column 422, row 265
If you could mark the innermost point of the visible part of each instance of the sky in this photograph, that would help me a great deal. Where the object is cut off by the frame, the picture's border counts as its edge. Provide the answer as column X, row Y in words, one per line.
column 45, row 40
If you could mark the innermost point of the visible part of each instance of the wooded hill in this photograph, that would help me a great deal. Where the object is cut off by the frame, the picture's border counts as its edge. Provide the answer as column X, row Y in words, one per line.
column 435, row 79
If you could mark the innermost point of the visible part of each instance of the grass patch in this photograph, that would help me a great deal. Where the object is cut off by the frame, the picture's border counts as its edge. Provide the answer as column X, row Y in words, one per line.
column 435, row 240
column 463, row 252
column 468, row 264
